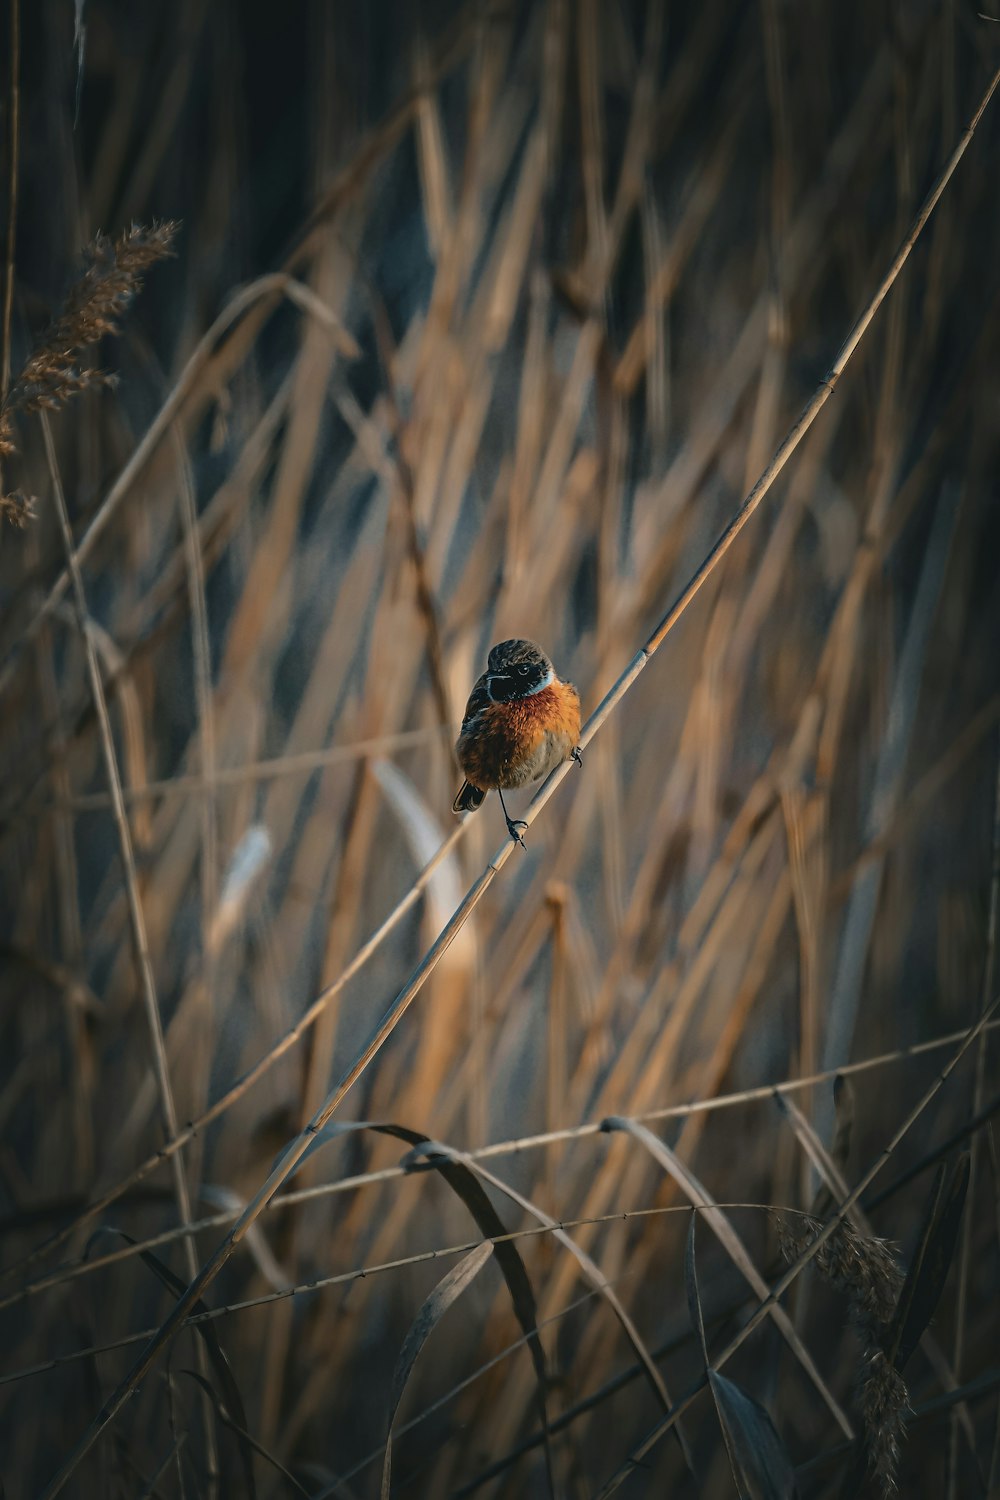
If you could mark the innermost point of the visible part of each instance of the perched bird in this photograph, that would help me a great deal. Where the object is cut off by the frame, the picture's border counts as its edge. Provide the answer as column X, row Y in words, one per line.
column 520, row 723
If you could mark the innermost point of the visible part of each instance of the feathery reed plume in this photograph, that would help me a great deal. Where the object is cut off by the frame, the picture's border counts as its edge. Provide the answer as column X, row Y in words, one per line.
column 18, row 508
column 883, row 1398
column 96, row 301
column 865, row 1269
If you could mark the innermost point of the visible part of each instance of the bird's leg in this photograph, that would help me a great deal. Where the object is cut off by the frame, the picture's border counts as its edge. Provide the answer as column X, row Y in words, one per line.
column 514, row 825
column 577, row 755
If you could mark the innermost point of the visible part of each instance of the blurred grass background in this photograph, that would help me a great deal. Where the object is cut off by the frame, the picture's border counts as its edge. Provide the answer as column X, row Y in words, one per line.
column 556, row 279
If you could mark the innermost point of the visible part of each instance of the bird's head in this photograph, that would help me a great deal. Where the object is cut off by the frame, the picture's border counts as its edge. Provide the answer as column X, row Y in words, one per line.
column 516, row 669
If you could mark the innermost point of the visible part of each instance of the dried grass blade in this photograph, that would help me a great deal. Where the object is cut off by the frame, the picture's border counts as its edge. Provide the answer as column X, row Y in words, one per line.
column 931, row 1262
column 735, row 1249
column 691, row 1289
column 757, row 1456
column 591, row 1271
column 447, row 1292
column 463, row 1181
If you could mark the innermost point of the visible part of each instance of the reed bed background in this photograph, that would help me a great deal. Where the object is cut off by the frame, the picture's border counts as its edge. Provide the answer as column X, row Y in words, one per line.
column 480, row 320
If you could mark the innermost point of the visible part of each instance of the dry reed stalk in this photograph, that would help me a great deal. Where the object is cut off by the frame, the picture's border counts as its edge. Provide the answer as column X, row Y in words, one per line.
column 101, row 302
column 142, row 959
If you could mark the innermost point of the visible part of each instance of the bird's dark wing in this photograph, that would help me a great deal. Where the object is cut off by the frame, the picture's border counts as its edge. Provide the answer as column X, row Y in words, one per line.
column 479, row 699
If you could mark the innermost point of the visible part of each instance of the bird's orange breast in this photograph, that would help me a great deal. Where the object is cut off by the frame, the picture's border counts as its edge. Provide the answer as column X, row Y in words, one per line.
column 506, row 743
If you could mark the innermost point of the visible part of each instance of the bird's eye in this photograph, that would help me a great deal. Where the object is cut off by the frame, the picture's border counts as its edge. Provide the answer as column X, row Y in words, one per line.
column 524, row 669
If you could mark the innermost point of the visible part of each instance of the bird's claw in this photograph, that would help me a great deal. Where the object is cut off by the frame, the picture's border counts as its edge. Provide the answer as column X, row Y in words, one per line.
column 514, row 826
column 577, row 755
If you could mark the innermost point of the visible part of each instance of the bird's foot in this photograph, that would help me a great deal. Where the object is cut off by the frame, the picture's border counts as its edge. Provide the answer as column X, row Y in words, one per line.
column 577, row 755
column 514, row 827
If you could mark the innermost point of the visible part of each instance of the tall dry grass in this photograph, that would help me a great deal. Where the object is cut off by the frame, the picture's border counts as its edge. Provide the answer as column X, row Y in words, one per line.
column 483, row 320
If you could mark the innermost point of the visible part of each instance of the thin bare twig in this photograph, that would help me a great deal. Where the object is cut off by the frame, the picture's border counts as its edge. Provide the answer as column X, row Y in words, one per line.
column 136, row 917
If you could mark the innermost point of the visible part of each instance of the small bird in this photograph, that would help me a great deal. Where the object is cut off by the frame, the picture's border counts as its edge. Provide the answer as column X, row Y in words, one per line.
column 520, row 723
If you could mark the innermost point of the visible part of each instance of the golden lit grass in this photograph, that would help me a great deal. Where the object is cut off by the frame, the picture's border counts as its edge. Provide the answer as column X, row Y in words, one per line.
column 771, row 868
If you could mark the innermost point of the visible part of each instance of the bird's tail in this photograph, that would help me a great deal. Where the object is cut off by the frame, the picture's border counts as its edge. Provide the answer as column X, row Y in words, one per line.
column 469, row 798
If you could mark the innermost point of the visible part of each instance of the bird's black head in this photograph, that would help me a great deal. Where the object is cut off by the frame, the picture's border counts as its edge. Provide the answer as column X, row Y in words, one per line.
column 516, row 669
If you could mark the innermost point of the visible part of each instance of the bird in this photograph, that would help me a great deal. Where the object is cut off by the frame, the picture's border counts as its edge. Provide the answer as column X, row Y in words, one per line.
column 521, row 721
